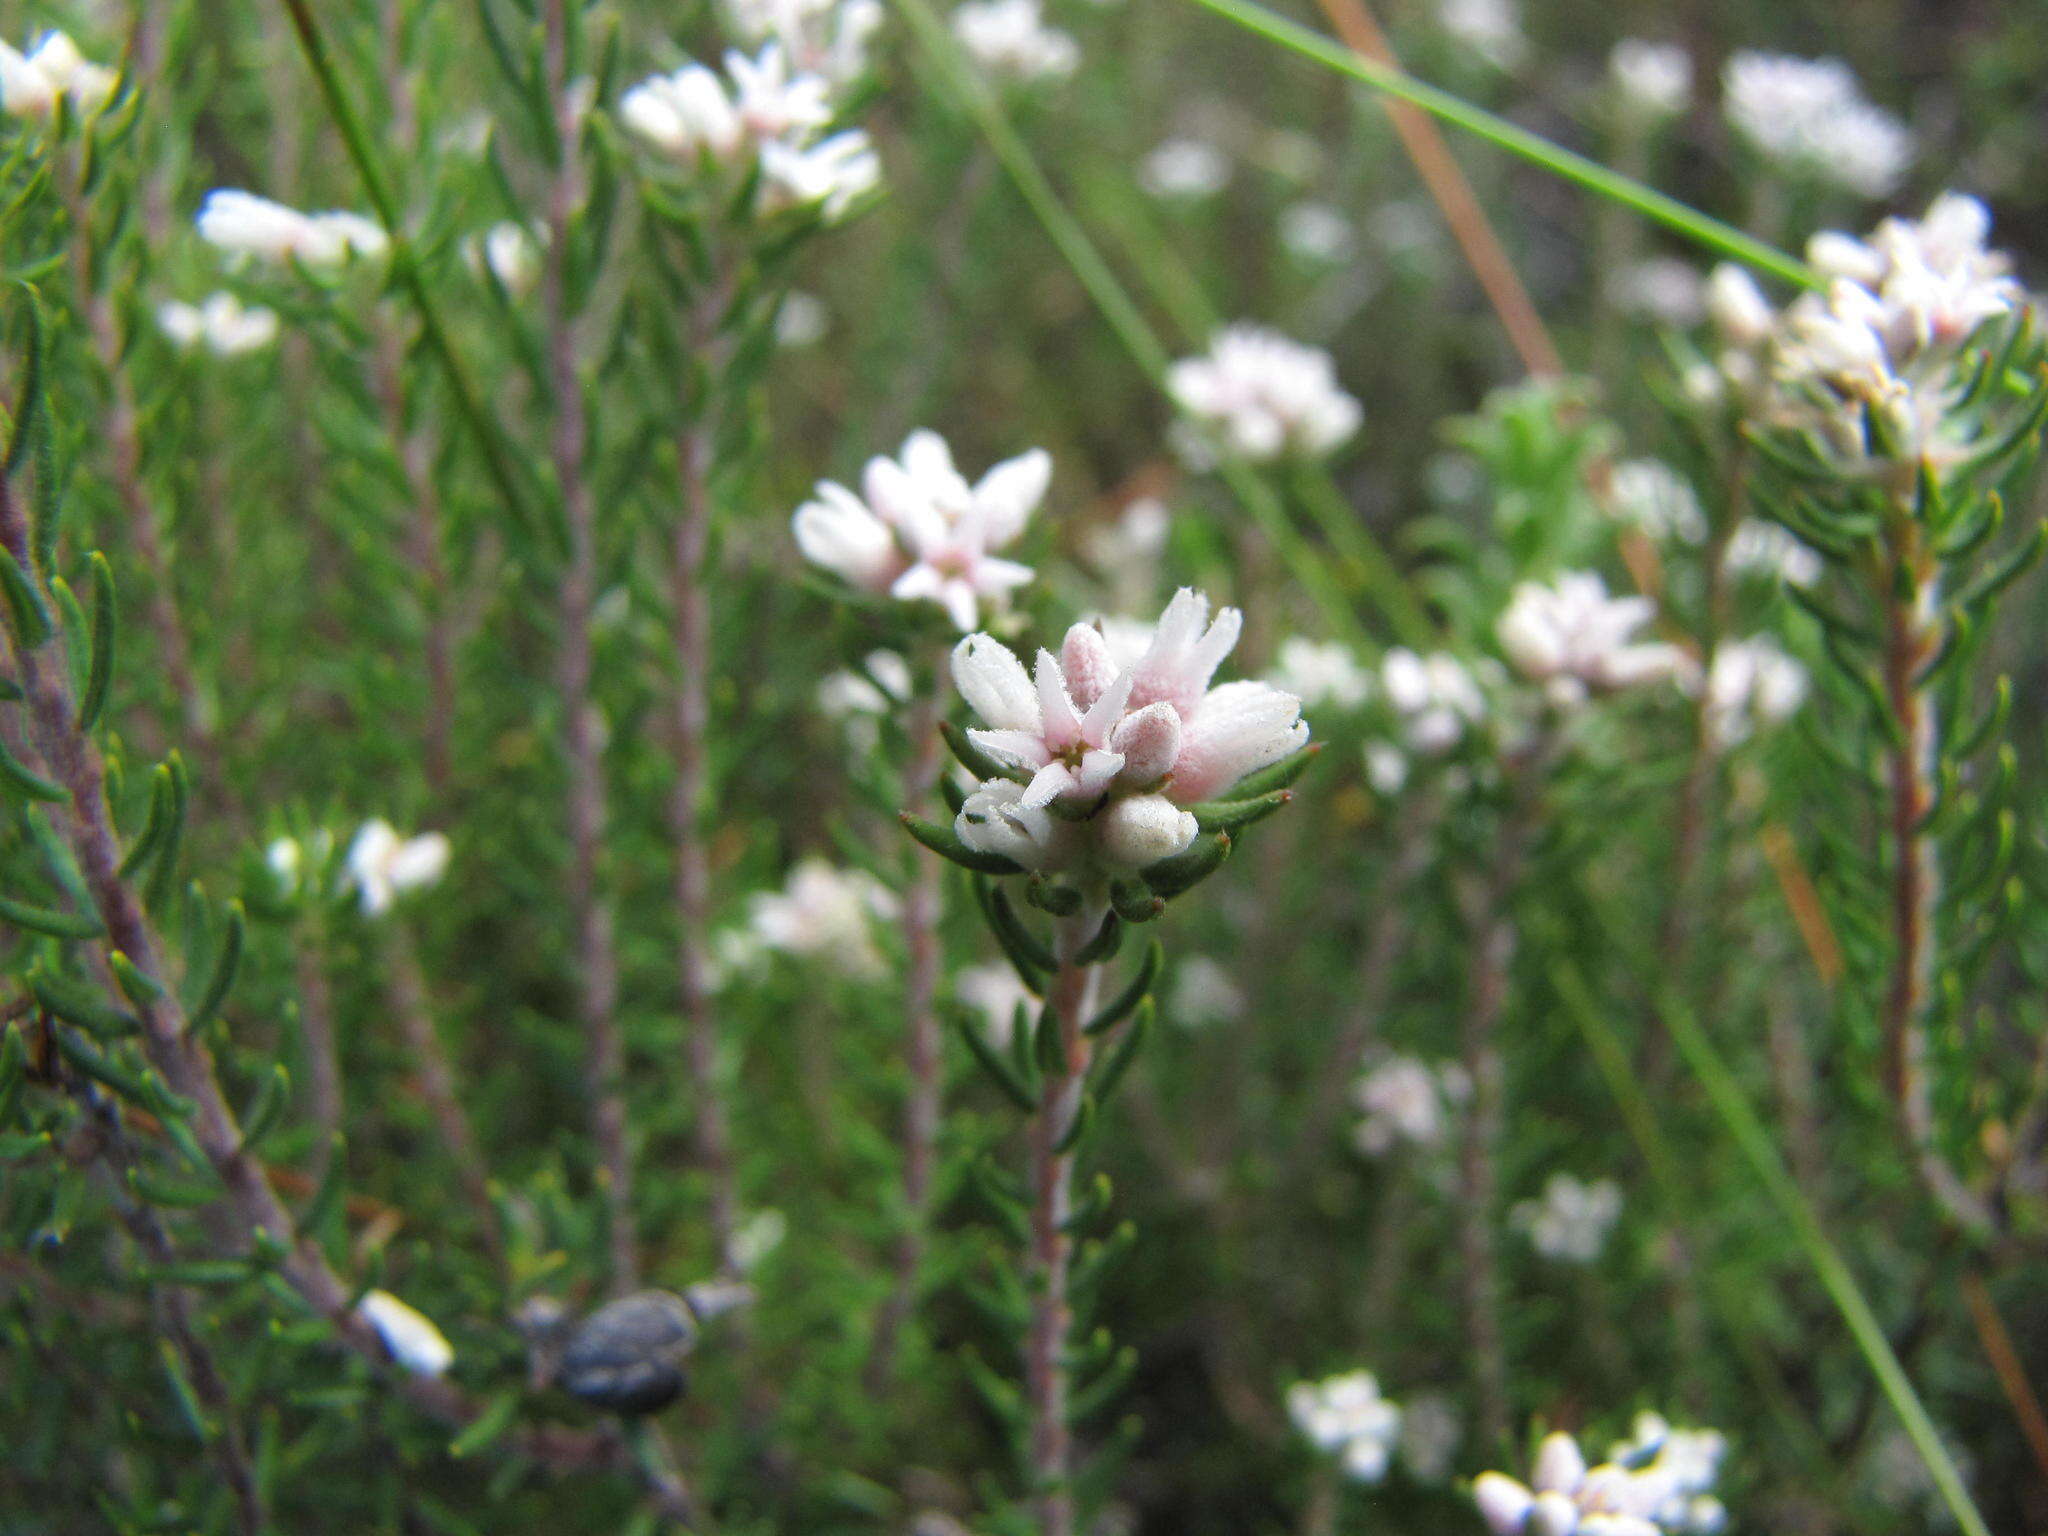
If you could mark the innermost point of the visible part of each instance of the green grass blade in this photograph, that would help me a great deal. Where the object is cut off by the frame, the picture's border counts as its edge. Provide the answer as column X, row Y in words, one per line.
column 1702, row 229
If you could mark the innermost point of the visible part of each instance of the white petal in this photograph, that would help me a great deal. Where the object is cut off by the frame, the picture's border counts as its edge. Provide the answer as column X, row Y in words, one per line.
column 995, row 685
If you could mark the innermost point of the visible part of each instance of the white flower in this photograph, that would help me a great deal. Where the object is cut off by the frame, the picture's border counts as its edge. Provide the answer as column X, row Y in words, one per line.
column 1191, row 168
column 1204, row 993
column 1262, row 396
column 54, row 70
column 508, row 252
column 1657, row 499
column 221, row 324
column 1810, row 117
column 411, row 1336
column 1750, row 682
column 1572, row 637
column 828, row 38
column 1571, row 1220
column 825, row 913
column 1662, row 290
column 831, row 175
column 1322, row 672
column 1118, row 747
column 921, row 533
column 1406, row 1101
column 1430, row 1432
column 1010, row 37
column 759, row 1235
column 1651, row 81
column 996, row 992
column 883, row 685
column 1758, row 546
column 1316, row 232
column 686, row 115
column 245, row 225
column 1435, row 698
column 1347, row 1417
column 382, row 866
column 802, row 321
column 1565, row 1497
column 1492, row 29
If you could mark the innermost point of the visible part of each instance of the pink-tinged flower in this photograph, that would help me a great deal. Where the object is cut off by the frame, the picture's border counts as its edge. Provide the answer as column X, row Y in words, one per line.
column 1105, row 756
column 921, row 533
column 1573, row 638
column 1257, row 395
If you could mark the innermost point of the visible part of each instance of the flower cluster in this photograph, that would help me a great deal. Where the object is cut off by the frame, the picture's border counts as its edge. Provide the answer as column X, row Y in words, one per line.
column 920, row 533
column 825, row 913
column 1571, row 1220
column 1654, row 497
column 1346, row 1416
column 247, row 226
column 860, row 700
column 33, row 83
column 995, row 991
column 1654, row 1484
column 1100, row 756
column 1574, row 640
column 1010, row 38
column 762, row 115
column 1651, row 82
column 1809, row 117
column 1322, row 672
column 1435, row 698
column 1750, row 683
column 1259, row 396
column 828, row 38
column 1405, row 1101
column 382, row 866
column 1191, row 168
column 1491, row 29
column 222, row 324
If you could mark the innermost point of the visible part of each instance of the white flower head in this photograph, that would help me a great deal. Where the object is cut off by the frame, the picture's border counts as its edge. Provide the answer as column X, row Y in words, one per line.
column 1118, row 747
column 1662, row 290
column 1259, row 396
column 508, row 252
column 1810, row 118
column 1407, row 1102
column 1491, row 29
column 1436, row 699
column 1316, row 232
column 1571, row 1220
column 1347, row 1417
column 382, row 866
column 32, row 83
column 1750, row 683
column 826, row 913
column 1322, row 672
column 1572, row 638
column 921, row 533
column 250, row 227
column 221, row 324
column 757, row 1236
column 1657, row 499
column 1184, row 168
column 1204, row 993
column 827, row 38
column 1566, row 1497
column 996, row 992
column 411, row 1337
column 1758, row 547
column 1009, row 38
column 1652, row 82
column 832, row 175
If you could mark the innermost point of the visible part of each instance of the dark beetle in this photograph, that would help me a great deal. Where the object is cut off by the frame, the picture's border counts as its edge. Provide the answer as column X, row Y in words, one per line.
column 626, row 1357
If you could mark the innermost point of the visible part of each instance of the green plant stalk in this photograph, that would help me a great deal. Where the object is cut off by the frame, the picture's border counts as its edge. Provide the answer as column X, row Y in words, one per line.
column 1117, row 306
column 1698, row 227
column 1750, row 1135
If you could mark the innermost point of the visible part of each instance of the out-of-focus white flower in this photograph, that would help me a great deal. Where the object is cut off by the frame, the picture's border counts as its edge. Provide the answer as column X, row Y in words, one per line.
column 1259, row 396
column 1403, row 1101
column 1897, row 1477
column 1430, row 1433
column 1749, row 683
column 1190, row 168
column 221, row 324
column 1386, row 768
column 921, row 533
column 829, row 38
column 802, row 321
column 294, row 862
column 1662, row 290
column 1492, row 29
column 757, row 1236
column 1322, row 672
column 506, row 251
column 1685, row 1463
column 1117, row 749
column 1657, row 499
column 825, row 913
column 686, row 115
column 245, row 225
column 1652, row 82
column 859, row 700
column 1761, row 547
column 410, row 1335
column 32, row 84
column 995, row 991
column 1570, row 1221
column 1010, row 38
column 1347, row 1417
column 1316, row 232
column 1204, row 993
column 1572, row 638
column 382, row 866
column 831, row 175
column 1565, row 1497
column 1134, row 539
column 1737, row 306
column 1436, row 698
column 1810, row 117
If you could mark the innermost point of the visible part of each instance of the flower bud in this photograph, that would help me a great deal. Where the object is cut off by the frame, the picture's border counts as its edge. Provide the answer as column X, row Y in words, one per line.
column 1143, row 829
column 1503, row 1503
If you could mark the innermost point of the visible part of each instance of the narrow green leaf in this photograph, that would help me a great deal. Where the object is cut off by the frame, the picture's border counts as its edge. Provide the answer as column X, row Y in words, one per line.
column 1133, row 994
column 28, row 616
column 221, row 978
column 56, row 925
column 24, row 784
column 497, row 1417
column 100, row 673
column 947, row 845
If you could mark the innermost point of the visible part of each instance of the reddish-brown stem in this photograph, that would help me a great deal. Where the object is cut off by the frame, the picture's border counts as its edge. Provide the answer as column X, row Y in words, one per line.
column 597, row 983
column 317, row 1036
column 1071, row 996
column 923, row 1100
column 187, row 1067
column 2007, row 1366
